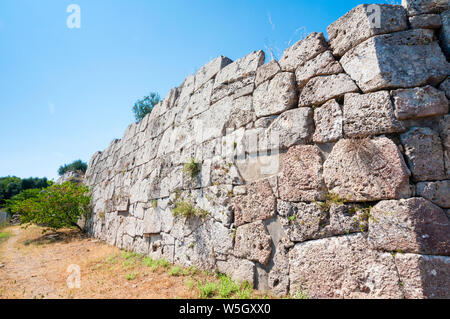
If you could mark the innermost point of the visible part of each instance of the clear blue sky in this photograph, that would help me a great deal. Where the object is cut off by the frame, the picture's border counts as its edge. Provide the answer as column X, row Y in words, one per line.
column 66, row 93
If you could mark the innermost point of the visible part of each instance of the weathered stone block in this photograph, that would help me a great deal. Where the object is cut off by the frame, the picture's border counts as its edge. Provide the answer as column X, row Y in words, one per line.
column 342, row 267
column 253, row 242
column 278, row 279
column 397, row 60
column 208, row 71
column 328, row 122
column 302, row 51
column 419, row 102
column 444, row 132
column 320, row 89
column 424, row 276
column 424, row 154
column 437, row 192
column 258, row 204
column 276, row 95
column 266, row 72
column 323, row 64
column 425, row 21
column 238, row 269
column 445, row 87
column 366, row 170
column 369, row 114
column 242, row 112
column 292, row 127
column 445, row 33
column 412, row 225
column 301, row 179
column 363, row 22
column 415, row 7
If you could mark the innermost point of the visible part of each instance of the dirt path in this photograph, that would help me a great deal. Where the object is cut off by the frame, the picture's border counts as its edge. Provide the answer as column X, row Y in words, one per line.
column 35, row 266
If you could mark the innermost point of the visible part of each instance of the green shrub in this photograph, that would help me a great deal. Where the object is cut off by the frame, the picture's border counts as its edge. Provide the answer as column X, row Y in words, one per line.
column 185, row 209
column 192, row 168
column 145, row 105
column 75, row 166
column 55, row 207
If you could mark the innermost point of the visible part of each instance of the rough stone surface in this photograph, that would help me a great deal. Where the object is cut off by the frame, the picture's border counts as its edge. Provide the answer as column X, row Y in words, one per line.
column 292, row 127
column 366, row 170
column 301, row 178
column 278, row 279
column 302, row 51
column 238, row 269
column 258, row 203
column 207, row 72
column 342, row 267
column 415, row 7
column 253, row 242
column 267, row 72
column 419, row 102
column 444, row 132
column 369, row 114
column 276, row 95
column 398, row 60
column 424, row 276
column 323, row 64
column 320, row 89
column 445, row 33
column 328, row 121
column 437, row 192
column 412, row 225
column 360, row 23
column 424, row 154
column 445, row 87
column 425, row 21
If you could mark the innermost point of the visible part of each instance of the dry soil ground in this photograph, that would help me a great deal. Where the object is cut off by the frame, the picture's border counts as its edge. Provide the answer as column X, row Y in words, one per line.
column 33, row 265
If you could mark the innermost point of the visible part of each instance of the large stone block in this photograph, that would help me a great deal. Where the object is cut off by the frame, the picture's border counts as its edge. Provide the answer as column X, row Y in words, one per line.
column 267, row 72
column 301, row 178
column 437, row 192
column 397, row 60
column 369, row 114
column 419, row 102
column 292, row 127
column 320, row 89
column 445, row 87
column 445, row 33
column 276, row 95
column 444, row 132
column 425, row 21
column 366, row 170
column 208, row 71
column 424, row 276
column 242, row 112
column 328, row 121
column 342, row 267
column 302, row 51
column 306, row 221
column 412, row 225
column 323, row 64
column 278, row 278
column 424, row 154
column 415, row 7
column 238, row 269
column 363, row 22
column 258, row 204
column 253, row 242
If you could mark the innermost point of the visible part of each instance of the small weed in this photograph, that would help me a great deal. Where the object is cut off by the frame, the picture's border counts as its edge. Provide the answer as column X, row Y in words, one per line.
column 131, row 276
column 208, row 289
column 192, row 168
column 175, row 271
column 154, row 203
column 185, row 209
column 299, row 294
column 292, row 218
column 190, row 283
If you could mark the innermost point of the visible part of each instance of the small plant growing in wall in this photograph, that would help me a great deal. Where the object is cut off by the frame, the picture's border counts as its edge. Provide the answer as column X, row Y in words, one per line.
column 184, row 208
column 154, row 203
column 192, row 168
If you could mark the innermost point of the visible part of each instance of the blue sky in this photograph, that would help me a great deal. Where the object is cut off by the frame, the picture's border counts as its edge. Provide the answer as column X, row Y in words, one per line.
column 66, row 93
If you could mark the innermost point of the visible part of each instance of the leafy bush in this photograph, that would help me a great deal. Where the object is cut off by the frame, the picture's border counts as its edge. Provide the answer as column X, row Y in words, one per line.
column 56, row 207
column 12, row 186
column 75, row 166
column 144, row 106
column 192, row 168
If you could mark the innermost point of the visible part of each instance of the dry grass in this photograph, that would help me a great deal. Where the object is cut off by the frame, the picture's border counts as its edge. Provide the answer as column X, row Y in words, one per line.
column 35, row 266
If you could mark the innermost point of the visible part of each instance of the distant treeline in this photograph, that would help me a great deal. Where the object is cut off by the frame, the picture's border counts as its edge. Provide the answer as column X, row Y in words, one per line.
column 11, row 186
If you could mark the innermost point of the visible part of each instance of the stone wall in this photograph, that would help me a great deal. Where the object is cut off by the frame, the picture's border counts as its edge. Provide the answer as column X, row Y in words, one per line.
column 326, row 171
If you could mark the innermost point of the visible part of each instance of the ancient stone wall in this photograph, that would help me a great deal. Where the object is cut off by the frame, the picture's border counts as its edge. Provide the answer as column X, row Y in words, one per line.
column 327, row 171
